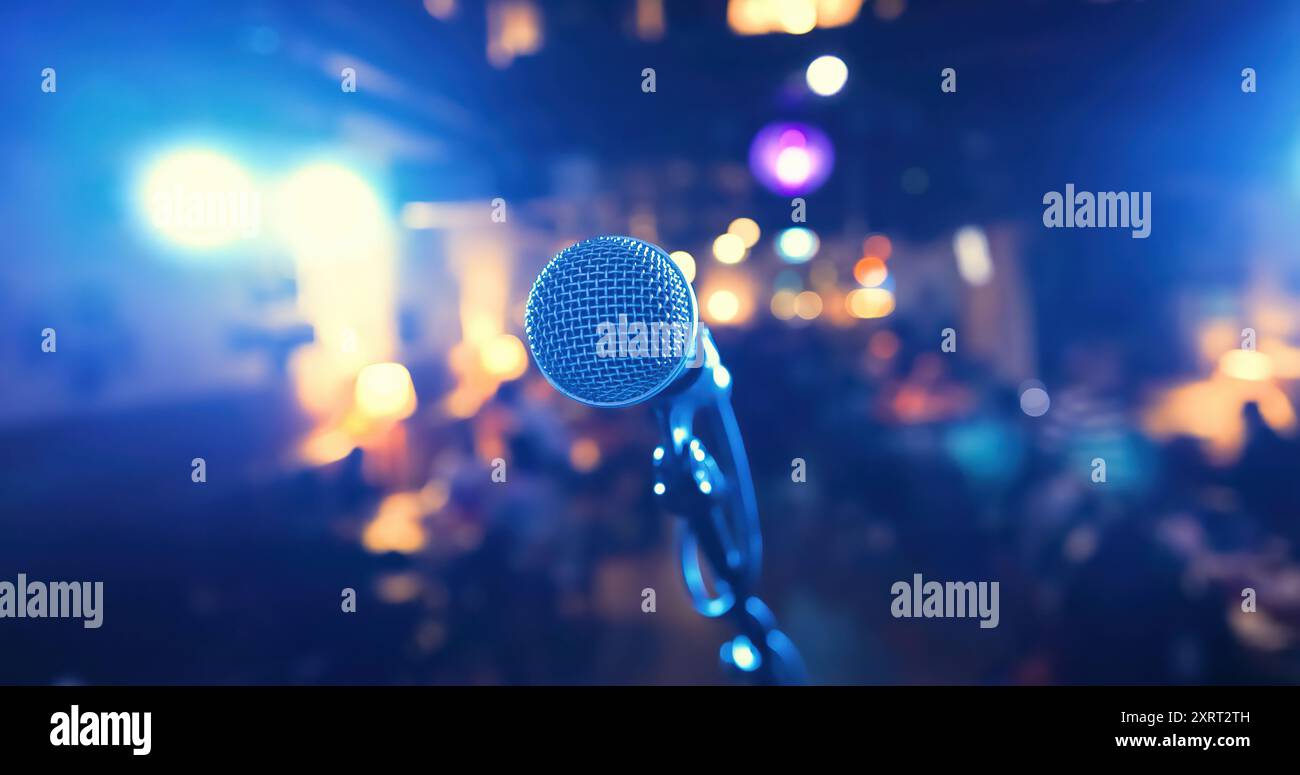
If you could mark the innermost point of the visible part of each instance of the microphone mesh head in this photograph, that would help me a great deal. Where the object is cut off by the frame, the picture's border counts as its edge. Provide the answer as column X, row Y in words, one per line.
column 580, row 310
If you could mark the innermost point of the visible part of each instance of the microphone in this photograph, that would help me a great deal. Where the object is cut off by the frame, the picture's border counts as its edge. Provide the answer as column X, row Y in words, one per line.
column 590, row 286
column 613, row 322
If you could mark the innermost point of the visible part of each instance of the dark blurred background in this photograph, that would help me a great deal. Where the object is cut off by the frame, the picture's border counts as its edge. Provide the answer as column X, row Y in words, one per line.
column 294, row 240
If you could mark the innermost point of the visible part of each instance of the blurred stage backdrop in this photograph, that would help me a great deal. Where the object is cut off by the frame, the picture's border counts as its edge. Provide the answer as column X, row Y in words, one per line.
column 294, row 240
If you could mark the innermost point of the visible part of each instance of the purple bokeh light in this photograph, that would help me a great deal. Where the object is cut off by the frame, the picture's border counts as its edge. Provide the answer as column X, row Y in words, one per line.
column 790, row 158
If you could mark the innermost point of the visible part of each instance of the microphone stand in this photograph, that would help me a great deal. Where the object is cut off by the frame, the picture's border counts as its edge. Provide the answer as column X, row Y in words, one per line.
column 713, row 496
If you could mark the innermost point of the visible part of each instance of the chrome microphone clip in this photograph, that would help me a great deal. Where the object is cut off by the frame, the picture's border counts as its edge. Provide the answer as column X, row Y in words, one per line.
column 719, row 518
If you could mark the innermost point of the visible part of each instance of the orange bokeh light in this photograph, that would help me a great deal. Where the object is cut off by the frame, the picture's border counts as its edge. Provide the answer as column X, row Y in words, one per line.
column 870, row 272
column 870, row 303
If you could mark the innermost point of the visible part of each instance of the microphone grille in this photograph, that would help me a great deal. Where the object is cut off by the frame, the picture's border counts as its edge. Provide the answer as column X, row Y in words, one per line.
column 586, row 291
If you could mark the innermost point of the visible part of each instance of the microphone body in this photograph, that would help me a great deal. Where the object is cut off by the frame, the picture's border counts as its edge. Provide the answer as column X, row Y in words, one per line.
column 613, row 322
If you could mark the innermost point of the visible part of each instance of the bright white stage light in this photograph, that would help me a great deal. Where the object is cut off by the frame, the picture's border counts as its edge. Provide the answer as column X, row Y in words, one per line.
column 200, row 199
column 326, row 210
column 971, row 247
column 826, row 75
